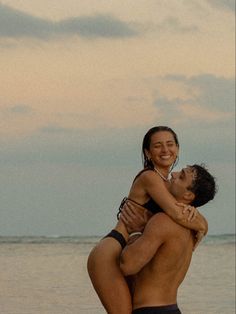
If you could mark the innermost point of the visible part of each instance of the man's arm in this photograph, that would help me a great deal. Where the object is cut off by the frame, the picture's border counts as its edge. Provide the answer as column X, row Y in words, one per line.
column 136, row 255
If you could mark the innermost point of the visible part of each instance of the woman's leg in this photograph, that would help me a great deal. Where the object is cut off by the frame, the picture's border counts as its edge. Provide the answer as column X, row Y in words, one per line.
column 107, row 278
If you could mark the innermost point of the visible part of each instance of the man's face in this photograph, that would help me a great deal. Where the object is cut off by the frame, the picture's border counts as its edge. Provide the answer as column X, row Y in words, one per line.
column 181, row 181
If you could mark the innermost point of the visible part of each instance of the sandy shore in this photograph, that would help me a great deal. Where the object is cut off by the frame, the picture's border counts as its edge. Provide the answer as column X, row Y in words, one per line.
column 52, row 279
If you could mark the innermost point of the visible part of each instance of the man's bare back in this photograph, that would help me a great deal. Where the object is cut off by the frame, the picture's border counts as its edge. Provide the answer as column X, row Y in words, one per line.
column 160, row 258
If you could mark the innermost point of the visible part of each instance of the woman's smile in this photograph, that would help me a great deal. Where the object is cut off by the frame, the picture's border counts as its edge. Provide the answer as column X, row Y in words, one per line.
column 165, row 157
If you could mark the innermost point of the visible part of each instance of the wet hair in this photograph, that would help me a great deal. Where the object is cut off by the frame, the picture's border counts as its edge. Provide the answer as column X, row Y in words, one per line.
column 147, row 163
column 204, row 186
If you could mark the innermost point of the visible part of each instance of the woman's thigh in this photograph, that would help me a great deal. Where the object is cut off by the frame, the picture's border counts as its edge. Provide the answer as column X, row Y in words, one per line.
column 107, row 278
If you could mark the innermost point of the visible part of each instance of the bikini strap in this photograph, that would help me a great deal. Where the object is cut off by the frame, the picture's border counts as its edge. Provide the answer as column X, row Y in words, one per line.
column 120, row 207
column 117, row 236
column 125, row 199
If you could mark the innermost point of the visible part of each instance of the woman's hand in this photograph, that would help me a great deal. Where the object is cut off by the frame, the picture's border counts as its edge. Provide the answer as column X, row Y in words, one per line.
column 192, row 211
column 134, row 217
column 192, row 214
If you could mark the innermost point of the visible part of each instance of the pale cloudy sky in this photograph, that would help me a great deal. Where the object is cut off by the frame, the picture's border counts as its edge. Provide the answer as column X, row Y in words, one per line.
column 80, row 84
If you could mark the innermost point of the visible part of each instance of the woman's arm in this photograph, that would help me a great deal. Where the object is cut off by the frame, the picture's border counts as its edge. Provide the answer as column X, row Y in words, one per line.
column 157, row 190
column 191, row 214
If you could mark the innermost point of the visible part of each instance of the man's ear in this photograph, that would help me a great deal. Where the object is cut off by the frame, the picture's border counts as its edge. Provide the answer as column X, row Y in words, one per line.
column 189, row 196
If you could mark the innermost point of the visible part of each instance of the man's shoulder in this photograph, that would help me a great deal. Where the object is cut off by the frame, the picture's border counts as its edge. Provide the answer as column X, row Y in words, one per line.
column 162, row 223
column 162, row 217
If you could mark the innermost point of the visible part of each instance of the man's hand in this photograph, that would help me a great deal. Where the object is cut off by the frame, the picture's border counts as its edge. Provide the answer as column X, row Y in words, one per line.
column 134, row 216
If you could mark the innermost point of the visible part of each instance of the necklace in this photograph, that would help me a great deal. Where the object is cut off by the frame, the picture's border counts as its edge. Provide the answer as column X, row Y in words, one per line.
column 160, row 174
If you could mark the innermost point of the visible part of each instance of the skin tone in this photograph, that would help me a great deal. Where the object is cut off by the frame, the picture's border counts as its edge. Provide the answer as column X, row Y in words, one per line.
column 161, row 255
column 103, row 261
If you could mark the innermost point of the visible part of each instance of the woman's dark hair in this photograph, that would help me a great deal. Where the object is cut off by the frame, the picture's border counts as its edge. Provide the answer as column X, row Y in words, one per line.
column 147, row 163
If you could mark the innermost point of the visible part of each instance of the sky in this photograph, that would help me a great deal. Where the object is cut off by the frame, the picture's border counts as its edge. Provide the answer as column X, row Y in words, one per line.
column 80, row 84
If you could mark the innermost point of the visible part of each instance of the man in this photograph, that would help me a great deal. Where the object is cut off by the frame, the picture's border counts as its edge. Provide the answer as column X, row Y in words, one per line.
column 160, row 257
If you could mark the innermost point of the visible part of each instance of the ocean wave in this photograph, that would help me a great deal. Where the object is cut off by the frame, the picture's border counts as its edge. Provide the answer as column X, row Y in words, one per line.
column 210, row 239
column 48, row 239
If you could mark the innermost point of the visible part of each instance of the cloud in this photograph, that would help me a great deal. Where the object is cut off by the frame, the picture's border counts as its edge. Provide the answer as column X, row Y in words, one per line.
column 57, row 145
column 214, row 92
column 210, row 99
column 202, row 115
column 198, row 112
column 173, row 24
column 96, row 26
column 18, row 110
column 170, row 24
column 223, row 4
column 17, row 24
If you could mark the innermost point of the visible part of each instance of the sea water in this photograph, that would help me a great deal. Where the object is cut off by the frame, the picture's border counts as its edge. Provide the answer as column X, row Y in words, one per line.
column 48, row 276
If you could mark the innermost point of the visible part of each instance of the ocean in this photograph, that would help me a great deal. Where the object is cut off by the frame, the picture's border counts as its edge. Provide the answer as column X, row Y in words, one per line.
column 41, row 275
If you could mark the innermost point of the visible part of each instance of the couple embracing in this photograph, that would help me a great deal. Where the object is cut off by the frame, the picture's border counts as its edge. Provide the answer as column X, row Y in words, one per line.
column 138, row 267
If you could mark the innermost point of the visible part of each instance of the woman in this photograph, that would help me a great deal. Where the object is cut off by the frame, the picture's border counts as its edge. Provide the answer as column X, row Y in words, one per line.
column 150, row 189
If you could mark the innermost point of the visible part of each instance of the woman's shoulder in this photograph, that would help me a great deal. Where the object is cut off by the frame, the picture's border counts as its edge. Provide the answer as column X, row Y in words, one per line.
column 148, row 175
column 143, row 172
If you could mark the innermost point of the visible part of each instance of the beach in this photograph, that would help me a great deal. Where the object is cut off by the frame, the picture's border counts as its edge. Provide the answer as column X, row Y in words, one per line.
column 48, row 276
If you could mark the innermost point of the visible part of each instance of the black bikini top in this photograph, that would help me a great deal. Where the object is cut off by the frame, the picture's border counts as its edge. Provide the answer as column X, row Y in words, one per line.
column 150, row 205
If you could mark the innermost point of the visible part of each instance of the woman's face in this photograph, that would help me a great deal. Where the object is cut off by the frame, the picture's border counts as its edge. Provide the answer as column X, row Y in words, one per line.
column 163, row 150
